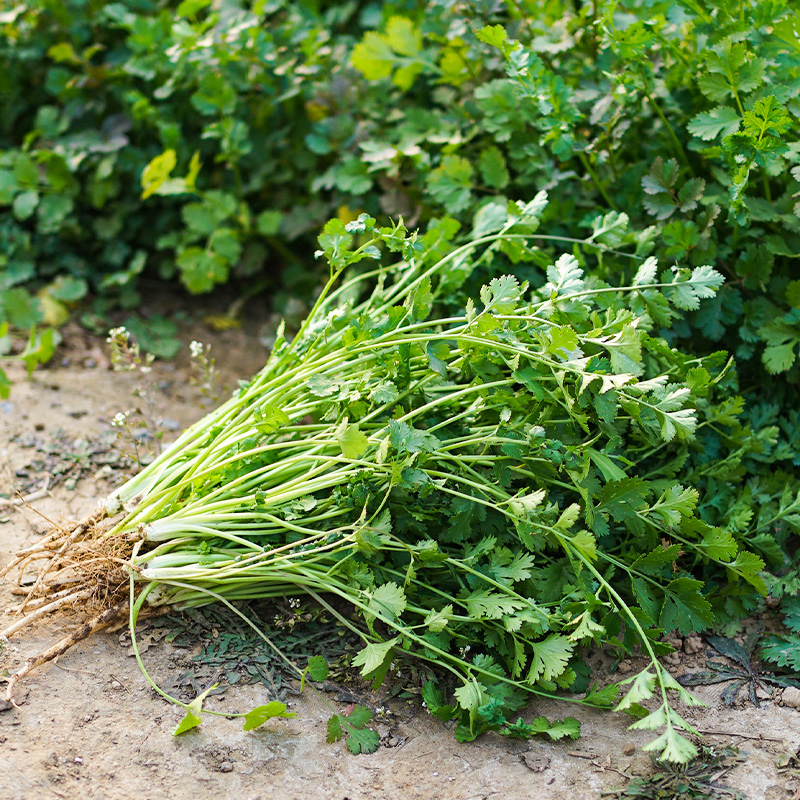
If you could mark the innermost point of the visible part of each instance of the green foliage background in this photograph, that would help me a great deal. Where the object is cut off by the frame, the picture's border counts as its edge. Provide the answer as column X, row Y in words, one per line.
column 274, row 116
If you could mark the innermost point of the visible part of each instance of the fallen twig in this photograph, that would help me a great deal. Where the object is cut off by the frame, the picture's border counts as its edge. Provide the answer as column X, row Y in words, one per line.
column 25, row 500
column 760, row 737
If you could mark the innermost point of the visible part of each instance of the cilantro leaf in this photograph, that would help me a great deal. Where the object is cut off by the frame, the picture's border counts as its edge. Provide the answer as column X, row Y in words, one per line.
column 502, row 294
column 492, row 165
column 388, row 600
column 451, row 183
column 685, row 609
column 781, row 337
column 259, row 715
column 550, row 657
column 565, row 277
column 352, row 441
column 360, row 739
column 406, row 439
column 719, row 121
column 371, row 657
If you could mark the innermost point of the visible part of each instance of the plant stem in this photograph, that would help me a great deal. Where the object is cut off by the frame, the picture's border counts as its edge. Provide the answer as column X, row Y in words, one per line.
column 600, row 188
column 676, row 144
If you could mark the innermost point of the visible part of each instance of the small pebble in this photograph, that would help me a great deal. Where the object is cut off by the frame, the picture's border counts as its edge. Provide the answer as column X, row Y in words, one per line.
column 692, row 644
column 116, row 685
column 629, row 750
column 226, row 766
column 791, row 697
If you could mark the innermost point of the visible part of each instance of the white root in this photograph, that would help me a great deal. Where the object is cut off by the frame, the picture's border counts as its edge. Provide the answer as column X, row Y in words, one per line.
column 33, row 605
column 46, row 609
column 98, row 623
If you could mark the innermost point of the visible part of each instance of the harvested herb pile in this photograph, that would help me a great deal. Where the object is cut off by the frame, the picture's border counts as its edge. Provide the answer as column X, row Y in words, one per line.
column 490, row 488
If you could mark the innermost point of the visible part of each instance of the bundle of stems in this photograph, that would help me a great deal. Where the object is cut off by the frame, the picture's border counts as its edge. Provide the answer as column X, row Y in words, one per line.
column 436, row 471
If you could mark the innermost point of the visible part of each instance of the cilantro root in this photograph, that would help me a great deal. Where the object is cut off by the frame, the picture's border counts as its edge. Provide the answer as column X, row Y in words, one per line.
column 97, row 623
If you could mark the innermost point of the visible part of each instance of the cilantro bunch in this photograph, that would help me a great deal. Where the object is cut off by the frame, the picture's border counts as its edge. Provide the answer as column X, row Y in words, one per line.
column 474, row 484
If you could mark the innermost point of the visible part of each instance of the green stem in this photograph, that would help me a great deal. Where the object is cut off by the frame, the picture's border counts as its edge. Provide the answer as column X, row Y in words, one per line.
column 676, row 144
column 600, row 188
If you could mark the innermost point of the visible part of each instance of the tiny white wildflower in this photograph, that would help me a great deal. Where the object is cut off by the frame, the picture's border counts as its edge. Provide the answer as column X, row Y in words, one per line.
column 196, row 349
column 118, row 333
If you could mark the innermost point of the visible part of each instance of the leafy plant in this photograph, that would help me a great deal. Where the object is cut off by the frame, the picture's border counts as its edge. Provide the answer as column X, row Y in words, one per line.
column 353, row 727
column 783, row 650
column 208, row 143
column 244, row 142
column 745, row 674
column 252, row 719
column 38, row 349
column 699, row 780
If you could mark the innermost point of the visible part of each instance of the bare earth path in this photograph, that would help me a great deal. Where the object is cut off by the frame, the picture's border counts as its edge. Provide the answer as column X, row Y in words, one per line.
column 90, row 726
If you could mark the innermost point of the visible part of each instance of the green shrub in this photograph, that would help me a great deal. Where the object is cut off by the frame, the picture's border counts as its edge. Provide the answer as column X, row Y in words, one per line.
column 274, row 116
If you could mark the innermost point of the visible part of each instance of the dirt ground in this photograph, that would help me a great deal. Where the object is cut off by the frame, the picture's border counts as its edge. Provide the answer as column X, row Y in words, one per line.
column 90, row 726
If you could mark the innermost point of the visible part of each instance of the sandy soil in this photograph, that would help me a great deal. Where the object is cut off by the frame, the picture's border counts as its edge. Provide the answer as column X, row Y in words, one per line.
column 90, row 726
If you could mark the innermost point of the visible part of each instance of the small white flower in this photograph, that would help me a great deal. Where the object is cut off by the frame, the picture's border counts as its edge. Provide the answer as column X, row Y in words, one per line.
column 196, row 349
column 119, row 419
column 117, row 333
